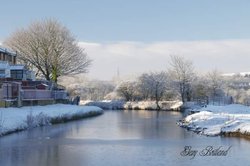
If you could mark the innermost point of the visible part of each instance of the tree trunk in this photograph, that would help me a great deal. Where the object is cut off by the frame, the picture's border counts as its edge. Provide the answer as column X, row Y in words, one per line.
column 47, row 77
column 54, row 75
column 182, row 91
column 182, row 98
column 157, row 104
column 157, row 97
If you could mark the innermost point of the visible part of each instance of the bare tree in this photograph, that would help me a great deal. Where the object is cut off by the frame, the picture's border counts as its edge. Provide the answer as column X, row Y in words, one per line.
column 50, row 49
column 182, row 72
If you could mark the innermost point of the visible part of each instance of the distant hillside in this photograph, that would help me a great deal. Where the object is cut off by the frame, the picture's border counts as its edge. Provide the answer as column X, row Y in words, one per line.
column 243, row 74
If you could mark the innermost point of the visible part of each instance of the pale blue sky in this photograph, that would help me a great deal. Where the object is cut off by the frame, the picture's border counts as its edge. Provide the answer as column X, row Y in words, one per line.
column 134, row 20
column 139, row 35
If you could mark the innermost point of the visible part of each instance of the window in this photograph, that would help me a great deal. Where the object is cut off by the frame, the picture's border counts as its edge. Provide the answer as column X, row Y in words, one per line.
column 14, row 60
column 2, row 73
column 16, row 74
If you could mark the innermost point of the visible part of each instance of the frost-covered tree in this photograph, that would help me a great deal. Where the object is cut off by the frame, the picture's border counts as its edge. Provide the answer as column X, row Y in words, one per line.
column 145, row 86
column 215, row 83
column 200, row 88
column 153, row 85
column 127, row 90
column 240, row 96
column 238, row 87
column 182, row 72
column 49, row 48
column 97, row 90
column 87, row 89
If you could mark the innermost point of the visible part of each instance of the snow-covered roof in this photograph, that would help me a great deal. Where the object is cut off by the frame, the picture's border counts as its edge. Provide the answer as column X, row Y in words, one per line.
column 8, row 51
column 17, row 67
column 44, row 84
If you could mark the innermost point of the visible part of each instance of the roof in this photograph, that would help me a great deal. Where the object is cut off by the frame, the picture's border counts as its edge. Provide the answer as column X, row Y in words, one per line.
column 7, row 51
column 17, row 67
column 5, row 65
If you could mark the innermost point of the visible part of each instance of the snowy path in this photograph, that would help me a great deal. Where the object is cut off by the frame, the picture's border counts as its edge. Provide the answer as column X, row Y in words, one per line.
column 13, row 119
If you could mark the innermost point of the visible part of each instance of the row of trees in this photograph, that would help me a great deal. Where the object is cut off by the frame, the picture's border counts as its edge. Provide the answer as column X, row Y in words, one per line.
column 178, row 82
column 148, row 86
column 172, row 85
column 212, row 87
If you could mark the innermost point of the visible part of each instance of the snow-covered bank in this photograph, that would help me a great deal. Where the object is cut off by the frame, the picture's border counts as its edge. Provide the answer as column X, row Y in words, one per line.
column 231, row 119
column 16, row 119
column 141, row 105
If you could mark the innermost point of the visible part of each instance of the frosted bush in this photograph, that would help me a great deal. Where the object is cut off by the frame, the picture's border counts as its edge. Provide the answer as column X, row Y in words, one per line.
column 1, row 122
column 30, row 120
column 42, row 119
column 39, row 120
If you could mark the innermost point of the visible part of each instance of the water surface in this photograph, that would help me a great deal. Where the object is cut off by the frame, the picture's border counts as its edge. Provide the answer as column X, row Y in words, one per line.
column 117, row 138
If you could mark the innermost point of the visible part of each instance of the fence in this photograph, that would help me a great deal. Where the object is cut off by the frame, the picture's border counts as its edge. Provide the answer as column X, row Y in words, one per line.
column 10, row 91
column 60, row 95
column 220, row 101
column 1, row 94
column 225, row 100
column 35, row 94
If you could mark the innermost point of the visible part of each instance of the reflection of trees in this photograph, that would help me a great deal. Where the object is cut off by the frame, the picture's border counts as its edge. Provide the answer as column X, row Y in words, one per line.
column 150, row 124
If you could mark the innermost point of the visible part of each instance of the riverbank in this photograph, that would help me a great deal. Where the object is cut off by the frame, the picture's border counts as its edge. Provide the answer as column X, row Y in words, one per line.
column 133, row 105
column 18, row 119
column 228, row 120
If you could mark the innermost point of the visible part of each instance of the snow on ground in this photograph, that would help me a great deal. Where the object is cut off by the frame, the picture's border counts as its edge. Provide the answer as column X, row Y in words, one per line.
column 13, row 119
column 216, row 120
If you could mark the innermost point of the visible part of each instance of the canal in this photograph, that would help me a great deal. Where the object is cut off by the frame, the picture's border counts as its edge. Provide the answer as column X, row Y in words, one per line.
column 118, row 138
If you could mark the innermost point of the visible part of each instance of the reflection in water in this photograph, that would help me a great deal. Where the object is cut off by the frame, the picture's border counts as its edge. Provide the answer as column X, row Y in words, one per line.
column 116, row 138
